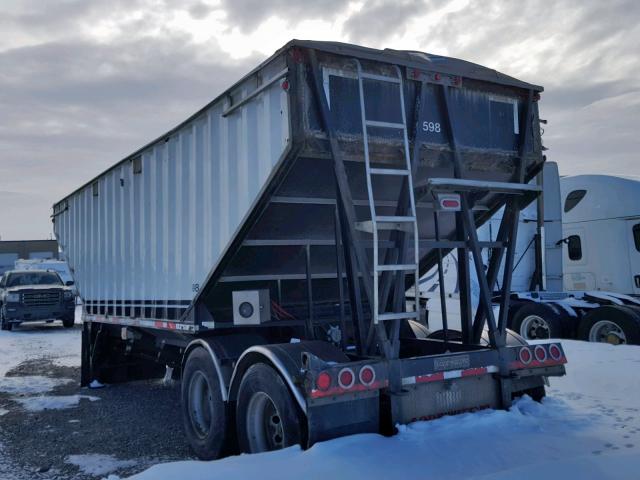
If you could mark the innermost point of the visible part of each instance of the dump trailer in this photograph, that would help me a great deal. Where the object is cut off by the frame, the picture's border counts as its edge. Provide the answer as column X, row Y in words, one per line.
column 261, row 251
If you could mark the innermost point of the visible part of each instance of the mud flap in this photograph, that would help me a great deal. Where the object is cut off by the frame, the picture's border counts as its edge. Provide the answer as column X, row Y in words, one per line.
column 331, row 419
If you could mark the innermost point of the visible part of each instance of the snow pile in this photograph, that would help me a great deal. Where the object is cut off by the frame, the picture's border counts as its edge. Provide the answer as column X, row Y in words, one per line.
column 30, row 385
column 52, row 402
column 37, row 340
column 588, row 428
column 95, row 464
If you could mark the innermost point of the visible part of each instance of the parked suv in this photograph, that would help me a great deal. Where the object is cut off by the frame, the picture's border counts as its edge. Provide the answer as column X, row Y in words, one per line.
column 31, row 295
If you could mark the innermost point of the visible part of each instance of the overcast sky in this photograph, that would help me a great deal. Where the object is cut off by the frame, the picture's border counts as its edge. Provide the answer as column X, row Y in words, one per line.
column 84, row 83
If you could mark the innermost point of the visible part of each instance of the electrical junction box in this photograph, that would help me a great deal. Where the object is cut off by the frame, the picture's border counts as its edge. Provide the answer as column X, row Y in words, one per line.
column 251, row 307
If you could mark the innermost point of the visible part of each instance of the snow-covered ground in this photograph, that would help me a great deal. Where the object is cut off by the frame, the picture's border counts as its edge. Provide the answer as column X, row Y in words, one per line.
column 588, row 427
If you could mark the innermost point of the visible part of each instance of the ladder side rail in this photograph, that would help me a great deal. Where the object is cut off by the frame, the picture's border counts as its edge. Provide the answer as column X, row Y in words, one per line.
column 397, row 236
column 399, row 299
column 412, row 202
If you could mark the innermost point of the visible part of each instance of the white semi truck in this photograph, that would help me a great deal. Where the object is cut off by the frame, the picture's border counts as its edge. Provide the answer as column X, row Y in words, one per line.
column 577, row 273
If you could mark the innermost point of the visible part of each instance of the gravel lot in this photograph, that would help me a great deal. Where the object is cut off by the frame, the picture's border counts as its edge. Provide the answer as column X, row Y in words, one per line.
column 140, row 417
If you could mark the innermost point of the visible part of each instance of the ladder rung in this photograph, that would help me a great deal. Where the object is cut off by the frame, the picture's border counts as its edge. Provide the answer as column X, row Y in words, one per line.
column 394, row 219
column 382, row 78
column 367, row 226
column 397, row 316
column 389, row 171
column 374, row 123
column 394, row 268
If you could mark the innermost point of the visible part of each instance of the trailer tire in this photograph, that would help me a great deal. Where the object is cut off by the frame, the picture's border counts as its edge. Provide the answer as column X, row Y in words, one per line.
column 537, row 321
column 68, row 322
column 4, row 323
column 267, row 418
column 203, row 410
column 620, row 321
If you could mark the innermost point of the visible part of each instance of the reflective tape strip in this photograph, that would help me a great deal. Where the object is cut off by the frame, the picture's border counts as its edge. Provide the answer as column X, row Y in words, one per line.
column 448, row 375
column 138, row 322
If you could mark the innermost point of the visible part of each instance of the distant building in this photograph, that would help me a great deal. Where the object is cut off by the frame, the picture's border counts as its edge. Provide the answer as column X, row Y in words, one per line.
column 12, row 250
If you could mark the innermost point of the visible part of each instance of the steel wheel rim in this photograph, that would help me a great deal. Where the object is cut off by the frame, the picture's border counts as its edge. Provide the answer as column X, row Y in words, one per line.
column 606, row 331
column 534, row 327
column 264, row 424
column 200, row 404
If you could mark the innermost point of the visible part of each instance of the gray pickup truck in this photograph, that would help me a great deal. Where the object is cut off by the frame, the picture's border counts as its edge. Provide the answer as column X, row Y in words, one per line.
column 32, row 295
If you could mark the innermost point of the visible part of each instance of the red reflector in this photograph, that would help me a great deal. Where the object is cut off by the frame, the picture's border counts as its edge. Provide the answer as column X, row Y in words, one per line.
column 540, row 353
column 367, row 375
column 555, row 352
column 346, row 379
column 525, row 355
column 323, row 382
column 285, row 85
column 437, row 77
column 450, row 203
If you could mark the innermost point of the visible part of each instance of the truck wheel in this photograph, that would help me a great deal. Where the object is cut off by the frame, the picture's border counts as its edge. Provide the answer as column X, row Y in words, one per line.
column 613, row 324
column 267, row 417
column 203, row 410
column 68, row 322
column 537, row 321
column 4, row 323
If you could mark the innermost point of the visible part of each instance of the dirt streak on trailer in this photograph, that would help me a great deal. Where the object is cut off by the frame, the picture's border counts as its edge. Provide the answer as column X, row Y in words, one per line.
column 262, row 249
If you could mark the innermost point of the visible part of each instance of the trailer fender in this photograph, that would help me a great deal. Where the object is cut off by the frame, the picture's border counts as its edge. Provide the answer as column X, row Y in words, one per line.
column 199, row 342
column 224, row 351
column 287, row 359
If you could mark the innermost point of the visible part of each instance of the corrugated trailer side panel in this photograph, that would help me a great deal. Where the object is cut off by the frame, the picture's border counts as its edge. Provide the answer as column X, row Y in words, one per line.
column 143, row 236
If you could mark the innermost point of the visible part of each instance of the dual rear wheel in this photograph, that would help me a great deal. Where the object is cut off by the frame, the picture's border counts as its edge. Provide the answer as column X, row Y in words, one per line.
column 266, row 417
column 614, row 324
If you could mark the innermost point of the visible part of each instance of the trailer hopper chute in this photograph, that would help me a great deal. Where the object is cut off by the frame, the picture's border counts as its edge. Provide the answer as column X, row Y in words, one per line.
column 263, row 249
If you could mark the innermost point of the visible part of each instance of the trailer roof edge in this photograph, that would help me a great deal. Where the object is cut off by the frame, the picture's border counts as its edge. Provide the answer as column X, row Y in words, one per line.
column 406, row 58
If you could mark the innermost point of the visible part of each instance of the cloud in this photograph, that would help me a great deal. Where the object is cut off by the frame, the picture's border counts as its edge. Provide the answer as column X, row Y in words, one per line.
column 378, row 20
column 83, row 84
column 249, row 14
column 72, row 107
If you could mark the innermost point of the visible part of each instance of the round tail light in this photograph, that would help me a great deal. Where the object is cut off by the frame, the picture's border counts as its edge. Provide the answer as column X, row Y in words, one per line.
column 323, row 381
column 555, row 352
column 525, row 355
column 346, row 378
column 540, row 353
column 367, row 375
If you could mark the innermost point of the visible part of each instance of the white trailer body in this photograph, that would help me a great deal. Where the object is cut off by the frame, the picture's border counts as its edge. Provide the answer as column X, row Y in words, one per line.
column 144, row 235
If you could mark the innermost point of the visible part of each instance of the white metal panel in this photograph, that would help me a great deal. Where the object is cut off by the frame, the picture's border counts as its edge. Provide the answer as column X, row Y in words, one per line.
column 152, row 237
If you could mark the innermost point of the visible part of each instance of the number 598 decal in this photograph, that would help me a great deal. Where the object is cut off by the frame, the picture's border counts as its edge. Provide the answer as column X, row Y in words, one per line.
column 431, row 127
